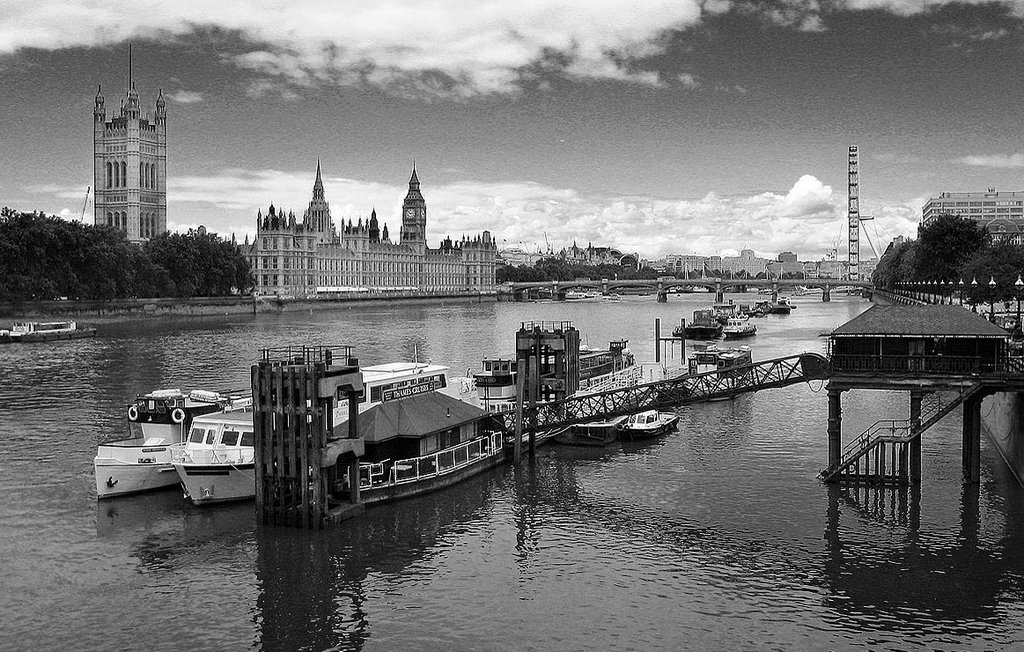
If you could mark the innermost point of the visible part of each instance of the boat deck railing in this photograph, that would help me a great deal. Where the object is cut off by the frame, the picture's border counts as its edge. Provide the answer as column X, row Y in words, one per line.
column 374, row 475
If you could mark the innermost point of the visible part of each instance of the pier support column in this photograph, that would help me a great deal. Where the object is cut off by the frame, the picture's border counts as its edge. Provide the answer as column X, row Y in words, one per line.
column 775, row 292
column 719, row 293
column 971, row 457
column 835, row 426
column 915, row 442
column 662, row 297
column 826, row 294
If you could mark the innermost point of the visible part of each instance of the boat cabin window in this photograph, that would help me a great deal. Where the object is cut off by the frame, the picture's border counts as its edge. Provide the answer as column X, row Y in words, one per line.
column 229, row 438
column 197, row 435
column 247, row 439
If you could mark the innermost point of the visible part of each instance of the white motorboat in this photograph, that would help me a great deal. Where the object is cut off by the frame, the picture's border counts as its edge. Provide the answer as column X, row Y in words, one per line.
column 216, row 463
column 156, row 421
column 647, row 424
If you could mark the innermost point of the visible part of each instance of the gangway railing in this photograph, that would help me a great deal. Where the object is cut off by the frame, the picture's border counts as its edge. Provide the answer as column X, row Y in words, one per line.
column 671, row 392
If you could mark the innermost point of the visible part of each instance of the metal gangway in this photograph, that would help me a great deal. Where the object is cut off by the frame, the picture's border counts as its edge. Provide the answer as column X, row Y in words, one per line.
column 671, row 392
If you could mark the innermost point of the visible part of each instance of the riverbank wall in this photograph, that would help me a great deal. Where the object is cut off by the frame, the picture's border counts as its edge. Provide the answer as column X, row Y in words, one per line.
column 210, row 306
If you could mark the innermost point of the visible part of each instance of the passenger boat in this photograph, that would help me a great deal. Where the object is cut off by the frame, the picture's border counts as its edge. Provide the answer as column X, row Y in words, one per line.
column 157, row 420
column 31, row 331
column 595, row 433
column 215, row 463
column 737, row 328
column 647, row 424
column 576, row 295
column 494, row 386
column 705, row 326
column 606, row 369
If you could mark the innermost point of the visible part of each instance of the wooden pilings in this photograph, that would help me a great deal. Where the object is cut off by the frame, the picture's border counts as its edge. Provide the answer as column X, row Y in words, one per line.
column 293, row 392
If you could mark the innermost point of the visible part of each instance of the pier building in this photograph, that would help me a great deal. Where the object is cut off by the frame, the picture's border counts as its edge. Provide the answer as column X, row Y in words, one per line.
column 307, row 256
column 130, row 165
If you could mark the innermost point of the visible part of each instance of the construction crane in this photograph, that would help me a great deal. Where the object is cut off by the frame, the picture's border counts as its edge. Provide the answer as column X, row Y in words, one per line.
column 85, row 204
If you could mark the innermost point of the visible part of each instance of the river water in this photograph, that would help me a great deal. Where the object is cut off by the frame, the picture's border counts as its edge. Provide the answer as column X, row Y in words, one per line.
column 718, row 536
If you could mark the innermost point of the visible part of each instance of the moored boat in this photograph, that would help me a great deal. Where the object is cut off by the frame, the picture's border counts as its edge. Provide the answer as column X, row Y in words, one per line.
column 156, row 421
column 594, row 433
column 704, row 326
column 713, row 358
column 399, row 399
column 738, row 327
column 216, row 463
column 647, row 424
column 31, row 331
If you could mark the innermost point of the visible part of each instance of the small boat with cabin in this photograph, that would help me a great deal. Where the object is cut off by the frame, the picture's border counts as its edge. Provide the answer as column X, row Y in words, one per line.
column 31, row 331
column 739, row 327
column 723, row 312
column 647, row 424
column 156, row 421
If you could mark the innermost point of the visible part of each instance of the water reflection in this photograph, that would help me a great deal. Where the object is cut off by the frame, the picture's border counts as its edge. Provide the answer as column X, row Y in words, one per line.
column 313, row 585
column 904, row 575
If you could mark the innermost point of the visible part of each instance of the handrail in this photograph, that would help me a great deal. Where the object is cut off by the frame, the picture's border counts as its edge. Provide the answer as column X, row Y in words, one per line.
column 433, row 464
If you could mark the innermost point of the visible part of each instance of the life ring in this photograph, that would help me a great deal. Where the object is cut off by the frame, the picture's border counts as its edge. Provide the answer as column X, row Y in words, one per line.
column 133, row 412
column 178, row 415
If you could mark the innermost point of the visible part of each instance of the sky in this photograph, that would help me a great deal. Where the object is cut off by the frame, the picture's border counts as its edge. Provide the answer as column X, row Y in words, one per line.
column 661, row 127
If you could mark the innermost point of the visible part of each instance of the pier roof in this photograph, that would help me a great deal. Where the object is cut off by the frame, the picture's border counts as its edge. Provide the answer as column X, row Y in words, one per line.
column 416, row 416
column 921, row 321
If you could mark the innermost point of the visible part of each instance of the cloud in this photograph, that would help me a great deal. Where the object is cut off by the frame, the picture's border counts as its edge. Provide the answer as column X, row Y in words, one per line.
column 185, row 97
column 446, row 48
column 807, row 219
column 1000, row 161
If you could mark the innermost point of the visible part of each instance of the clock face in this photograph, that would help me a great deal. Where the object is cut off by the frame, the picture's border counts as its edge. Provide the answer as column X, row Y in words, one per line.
column 410, row 212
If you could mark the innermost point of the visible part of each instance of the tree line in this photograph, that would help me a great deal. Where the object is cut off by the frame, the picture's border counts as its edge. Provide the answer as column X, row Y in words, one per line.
column 951, row 249
column 44, row 257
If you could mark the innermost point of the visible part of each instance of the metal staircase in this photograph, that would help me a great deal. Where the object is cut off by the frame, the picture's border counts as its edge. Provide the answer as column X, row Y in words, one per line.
column 880, row 454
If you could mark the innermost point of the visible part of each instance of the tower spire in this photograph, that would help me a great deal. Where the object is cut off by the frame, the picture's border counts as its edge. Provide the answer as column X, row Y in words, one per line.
column 318, row 185
column 129, row 85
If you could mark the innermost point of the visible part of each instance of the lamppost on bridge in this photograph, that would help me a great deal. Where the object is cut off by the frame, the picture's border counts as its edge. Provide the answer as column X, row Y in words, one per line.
column 961, row 285
column 974, row 294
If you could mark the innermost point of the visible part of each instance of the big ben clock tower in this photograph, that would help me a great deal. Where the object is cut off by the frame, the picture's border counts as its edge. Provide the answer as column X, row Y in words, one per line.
column 414, row 217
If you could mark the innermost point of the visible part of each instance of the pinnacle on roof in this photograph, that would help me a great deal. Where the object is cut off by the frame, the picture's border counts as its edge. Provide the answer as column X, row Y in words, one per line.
column 414, row 180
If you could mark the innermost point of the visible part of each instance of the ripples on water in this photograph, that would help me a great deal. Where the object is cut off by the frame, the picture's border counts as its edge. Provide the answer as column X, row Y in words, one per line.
column 716, row 537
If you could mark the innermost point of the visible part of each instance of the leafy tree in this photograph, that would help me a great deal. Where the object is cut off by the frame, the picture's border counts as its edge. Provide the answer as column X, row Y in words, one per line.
column 945, row 245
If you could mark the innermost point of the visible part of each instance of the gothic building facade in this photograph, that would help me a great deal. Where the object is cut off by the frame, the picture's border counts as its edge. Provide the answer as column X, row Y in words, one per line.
column 130, row 166
column 311, row 256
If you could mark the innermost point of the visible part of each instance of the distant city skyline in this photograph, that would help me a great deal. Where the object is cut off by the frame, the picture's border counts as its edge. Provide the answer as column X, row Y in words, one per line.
column 666, row 127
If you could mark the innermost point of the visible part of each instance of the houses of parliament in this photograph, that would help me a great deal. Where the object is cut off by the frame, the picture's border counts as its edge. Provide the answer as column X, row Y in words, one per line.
column 300, row 257
column 311, row 256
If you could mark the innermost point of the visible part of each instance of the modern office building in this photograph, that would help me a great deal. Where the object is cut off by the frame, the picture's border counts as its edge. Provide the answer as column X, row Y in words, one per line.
column 1003, row 208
